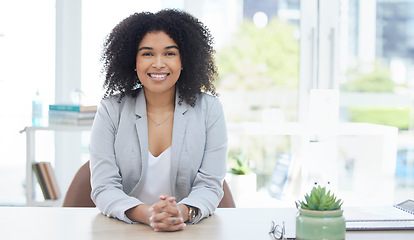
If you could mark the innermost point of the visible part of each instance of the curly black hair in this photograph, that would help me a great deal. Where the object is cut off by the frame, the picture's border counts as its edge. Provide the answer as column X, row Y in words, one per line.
column 194, row 42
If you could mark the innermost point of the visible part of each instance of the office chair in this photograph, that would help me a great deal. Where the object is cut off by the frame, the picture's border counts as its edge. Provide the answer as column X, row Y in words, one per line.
column 78, row 194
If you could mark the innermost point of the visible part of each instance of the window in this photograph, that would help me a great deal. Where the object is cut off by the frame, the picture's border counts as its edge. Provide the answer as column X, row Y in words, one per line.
column 375, row 77
column 27, row 63
column 270, row 55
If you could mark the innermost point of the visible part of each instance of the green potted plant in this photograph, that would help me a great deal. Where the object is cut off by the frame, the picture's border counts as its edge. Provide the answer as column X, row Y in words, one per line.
column 241, row 178
column 240, row 165
column 320, row 216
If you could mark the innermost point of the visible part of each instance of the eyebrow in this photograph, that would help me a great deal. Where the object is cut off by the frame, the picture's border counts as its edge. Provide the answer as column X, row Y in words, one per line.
column 150, row 48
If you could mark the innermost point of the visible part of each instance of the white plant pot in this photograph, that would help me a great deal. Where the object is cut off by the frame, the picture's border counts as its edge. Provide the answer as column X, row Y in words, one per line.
column 241, row 186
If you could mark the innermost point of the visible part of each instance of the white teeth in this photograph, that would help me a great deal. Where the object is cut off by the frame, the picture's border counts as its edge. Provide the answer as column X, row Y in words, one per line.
column 158, row 75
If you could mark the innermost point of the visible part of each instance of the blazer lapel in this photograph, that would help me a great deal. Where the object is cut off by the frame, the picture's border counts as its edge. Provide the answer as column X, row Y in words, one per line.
column 141, row 125
column 179, row 129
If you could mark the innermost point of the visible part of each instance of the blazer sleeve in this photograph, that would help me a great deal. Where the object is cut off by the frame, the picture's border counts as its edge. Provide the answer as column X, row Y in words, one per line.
column 107, row 191
column 207, row 190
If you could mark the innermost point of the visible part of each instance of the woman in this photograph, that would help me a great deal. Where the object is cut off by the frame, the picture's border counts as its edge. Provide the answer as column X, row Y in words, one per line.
column 158, row 143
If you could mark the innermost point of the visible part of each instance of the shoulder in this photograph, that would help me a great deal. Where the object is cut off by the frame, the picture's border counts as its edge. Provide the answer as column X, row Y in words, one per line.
column 208, row 106
column 207, row 100
column 113, row 105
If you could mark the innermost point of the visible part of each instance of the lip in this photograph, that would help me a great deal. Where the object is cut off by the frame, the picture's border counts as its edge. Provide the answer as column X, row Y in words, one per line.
column 158, row 77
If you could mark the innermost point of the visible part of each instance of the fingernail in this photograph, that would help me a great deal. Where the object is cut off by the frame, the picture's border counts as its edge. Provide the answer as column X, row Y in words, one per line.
column 150, row 218
column 151, row 209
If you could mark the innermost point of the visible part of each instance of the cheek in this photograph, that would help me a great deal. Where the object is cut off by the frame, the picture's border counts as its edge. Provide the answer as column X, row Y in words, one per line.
column 141, row 73
column 138, row 64
column 176, row 65
column 140, row 68
column 141, row 76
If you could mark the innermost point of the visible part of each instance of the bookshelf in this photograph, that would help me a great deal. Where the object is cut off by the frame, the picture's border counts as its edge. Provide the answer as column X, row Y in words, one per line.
column 30, row 158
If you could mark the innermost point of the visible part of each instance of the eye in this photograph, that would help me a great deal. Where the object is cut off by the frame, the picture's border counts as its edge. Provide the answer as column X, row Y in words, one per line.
column 146, row 54
column 170, row 54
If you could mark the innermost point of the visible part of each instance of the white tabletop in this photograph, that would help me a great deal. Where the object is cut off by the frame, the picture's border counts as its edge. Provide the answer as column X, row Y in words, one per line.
column 88, row 223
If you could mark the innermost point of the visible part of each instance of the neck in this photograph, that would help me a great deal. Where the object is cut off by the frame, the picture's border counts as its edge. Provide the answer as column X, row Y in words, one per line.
column 160, row 102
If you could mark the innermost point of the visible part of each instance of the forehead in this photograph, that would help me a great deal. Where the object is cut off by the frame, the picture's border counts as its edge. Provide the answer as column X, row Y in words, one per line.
column 157, row 38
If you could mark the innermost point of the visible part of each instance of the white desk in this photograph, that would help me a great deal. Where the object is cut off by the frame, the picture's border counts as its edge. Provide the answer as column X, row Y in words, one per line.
column 88, row 223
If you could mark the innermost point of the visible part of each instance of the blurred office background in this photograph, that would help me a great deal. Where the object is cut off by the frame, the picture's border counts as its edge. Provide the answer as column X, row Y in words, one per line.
column 270, row 54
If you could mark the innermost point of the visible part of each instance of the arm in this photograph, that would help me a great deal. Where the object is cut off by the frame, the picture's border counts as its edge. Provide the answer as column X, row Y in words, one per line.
column 106, row 181
column 207, row 191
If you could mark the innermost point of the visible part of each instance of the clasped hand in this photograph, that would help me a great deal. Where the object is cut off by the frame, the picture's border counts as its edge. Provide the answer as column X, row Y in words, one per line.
column 166, row 215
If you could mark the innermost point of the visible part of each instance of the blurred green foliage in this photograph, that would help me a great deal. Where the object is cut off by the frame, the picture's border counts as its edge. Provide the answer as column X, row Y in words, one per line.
column 375, row 77
column 391, row 116
column 239, row 163
column 260, row 58
column 369, row 77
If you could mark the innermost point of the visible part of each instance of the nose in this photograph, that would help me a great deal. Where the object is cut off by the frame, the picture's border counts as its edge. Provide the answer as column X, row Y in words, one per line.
column 158, row 62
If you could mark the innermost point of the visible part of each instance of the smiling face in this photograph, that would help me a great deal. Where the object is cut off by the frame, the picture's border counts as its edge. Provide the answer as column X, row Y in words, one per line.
column 158, row 62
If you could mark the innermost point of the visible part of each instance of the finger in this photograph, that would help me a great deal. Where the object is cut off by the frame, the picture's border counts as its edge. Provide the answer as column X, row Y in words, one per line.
column 159, row 217
column 170, row 228
column 173, row 220
column 163, row 196
column 164, row 227
column 173, row 210
column 157, row 207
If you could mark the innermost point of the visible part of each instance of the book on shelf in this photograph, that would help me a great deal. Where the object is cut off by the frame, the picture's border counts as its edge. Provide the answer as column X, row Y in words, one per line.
column 47, row 180
column 70, row 114
column 41, row 180
column 70, row 121
column 73, row 108
column 51, row 180
column 69, row 117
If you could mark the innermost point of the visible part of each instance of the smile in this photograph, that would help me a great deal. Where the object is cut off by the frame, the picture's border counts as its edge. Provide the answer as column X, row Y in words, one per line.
column 158, row 75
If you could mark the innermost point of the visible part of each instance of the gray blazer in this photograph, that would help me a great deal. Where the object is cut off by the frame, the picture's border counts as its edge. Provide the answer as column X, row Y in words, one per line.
column 119, row 154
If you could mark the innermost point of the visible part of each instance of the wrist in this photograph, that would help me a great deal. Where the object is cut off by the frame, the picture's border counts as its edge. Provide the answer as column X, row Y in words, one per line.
column 184, row 211
column 139, row 213
column 192, row 213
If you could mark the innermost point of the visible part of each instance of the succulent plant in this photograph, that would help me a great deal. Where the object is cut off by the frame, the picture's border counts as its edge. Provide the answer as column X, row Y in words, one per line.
column 240, row 165
column 321, row 200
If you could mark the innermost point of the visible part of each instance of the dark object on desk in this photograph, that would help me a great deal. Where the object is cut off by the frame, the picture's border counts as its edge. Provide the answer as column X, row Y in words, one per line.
column 79, row 192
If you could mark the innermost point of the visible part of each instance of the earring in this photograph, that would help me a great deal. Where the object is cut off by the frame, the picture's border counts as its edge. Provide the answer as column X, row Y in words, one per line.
column 182, row 68
column 135, row 69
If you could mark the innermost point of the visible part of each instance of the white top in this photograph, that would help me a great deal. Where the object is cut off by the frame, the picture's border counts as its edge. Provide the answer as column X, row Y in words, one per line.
column 158, row 178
